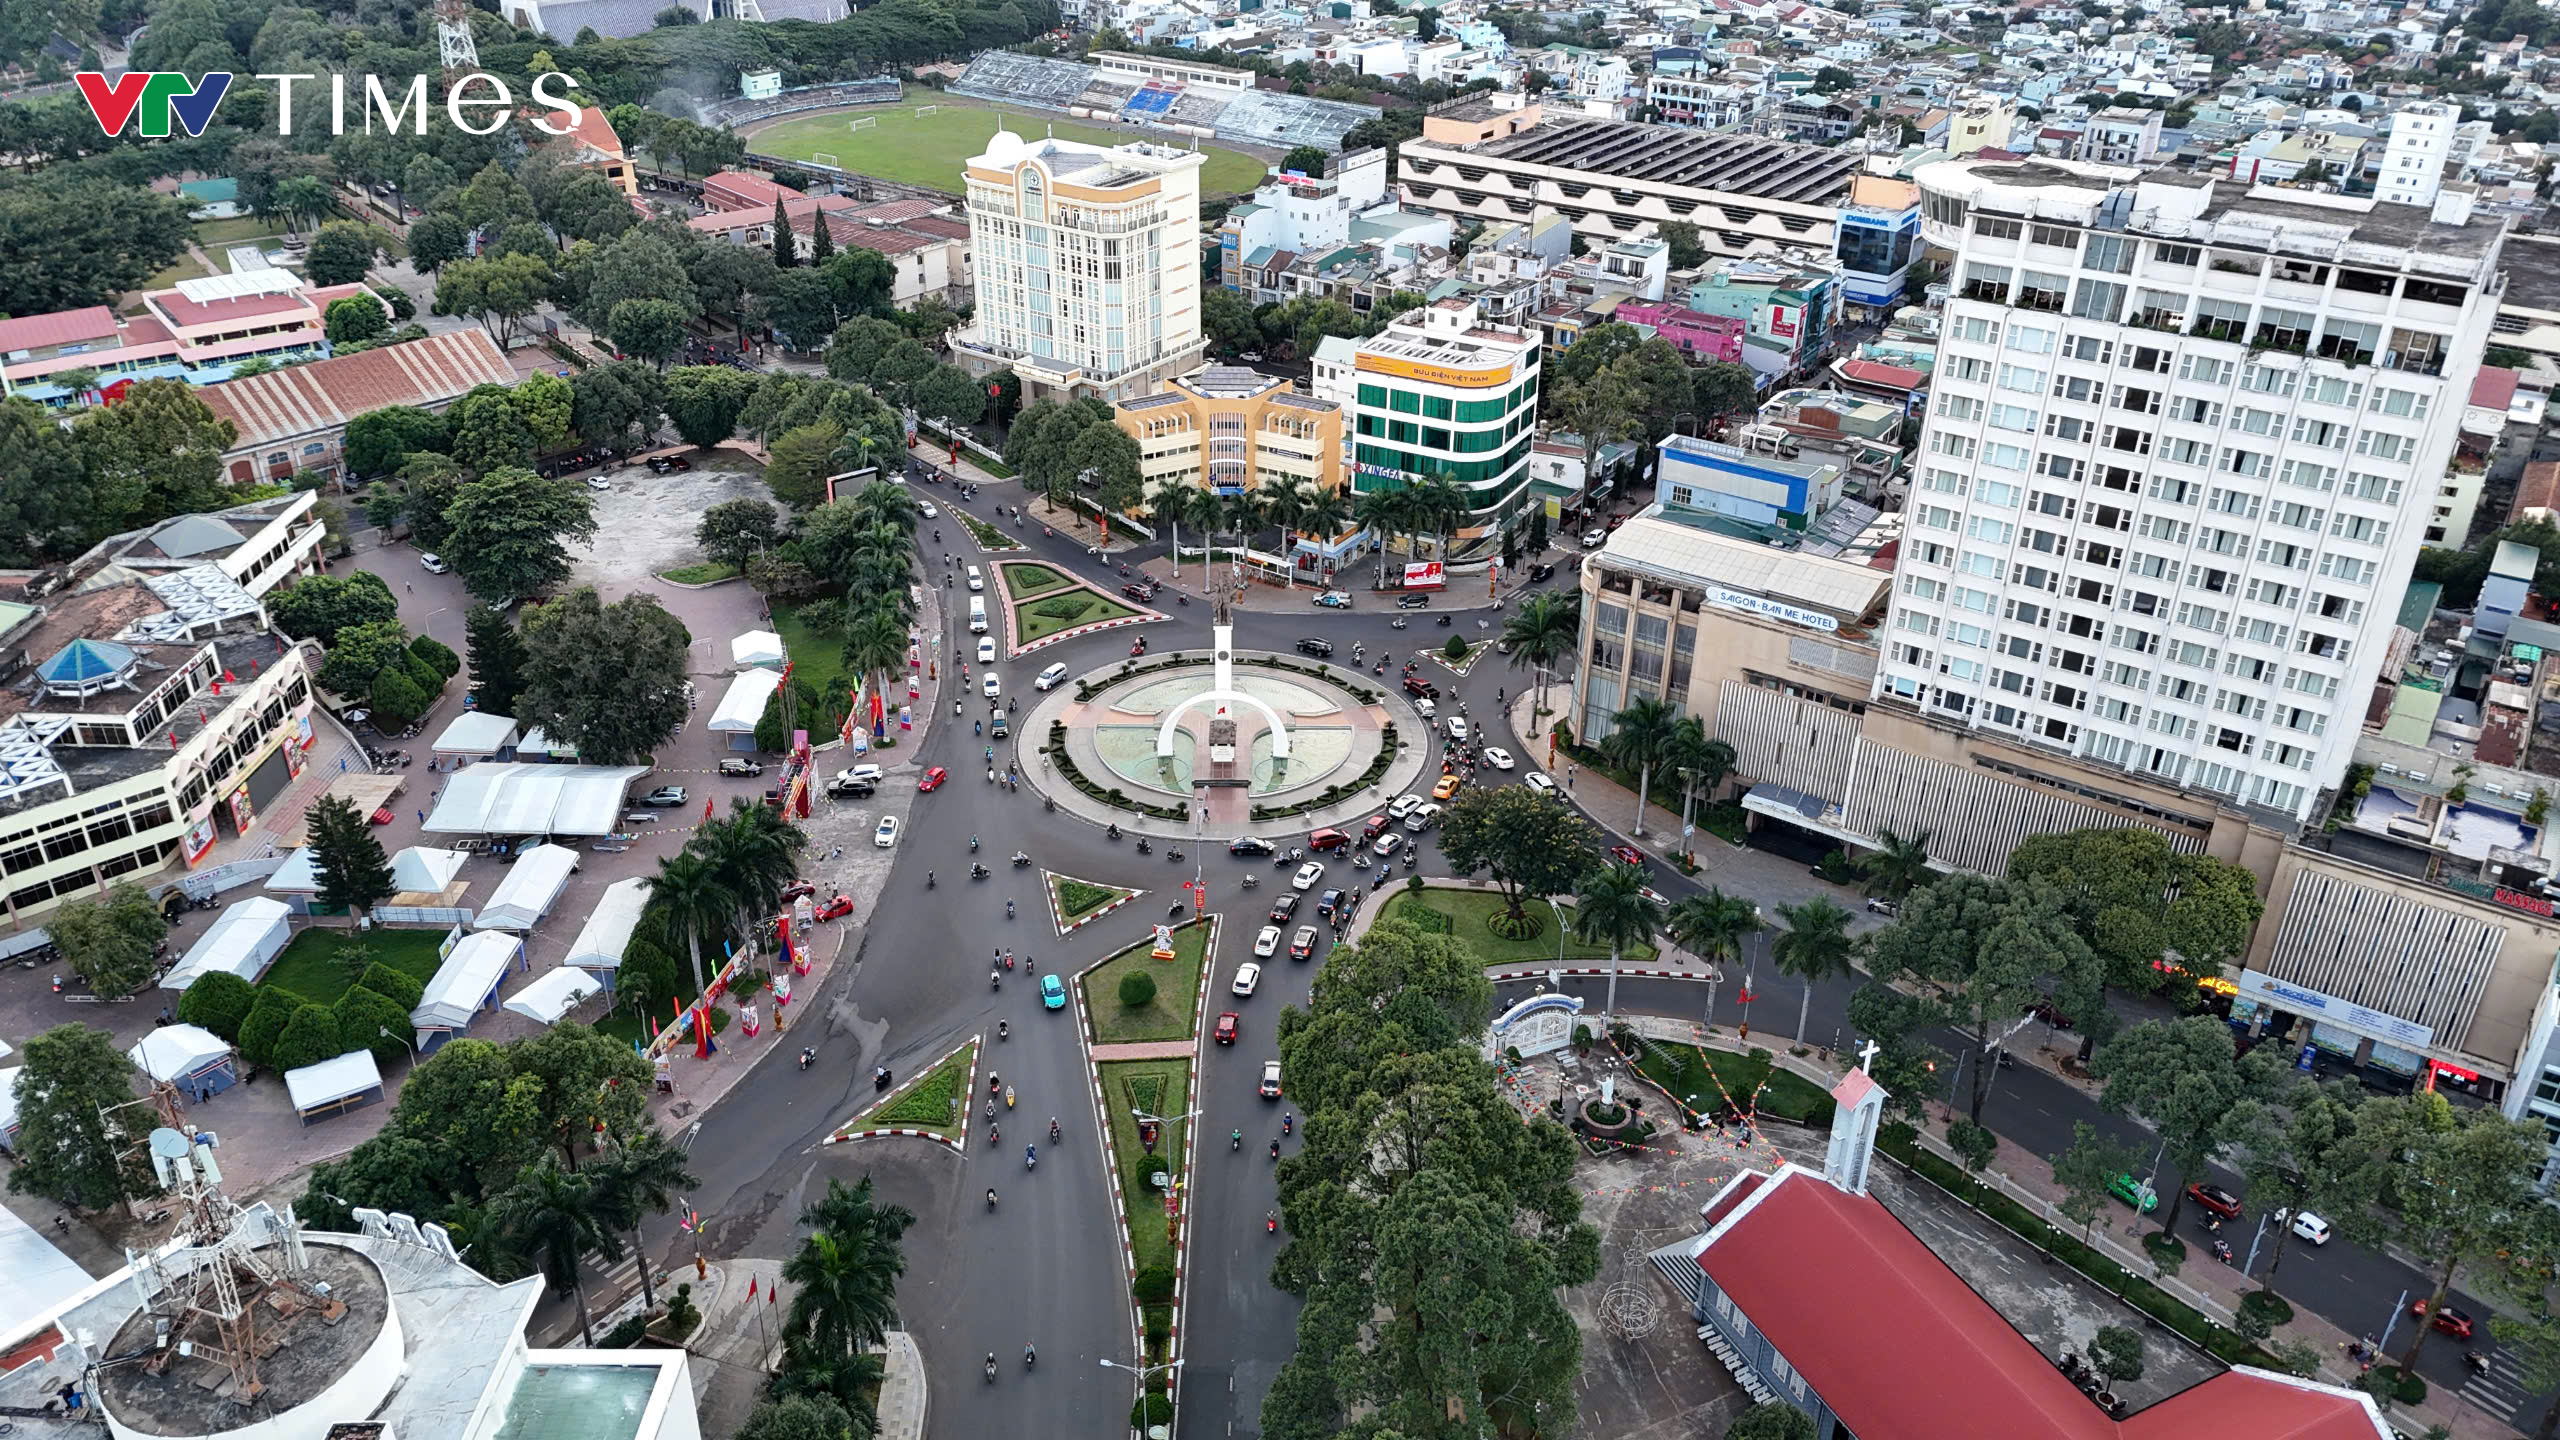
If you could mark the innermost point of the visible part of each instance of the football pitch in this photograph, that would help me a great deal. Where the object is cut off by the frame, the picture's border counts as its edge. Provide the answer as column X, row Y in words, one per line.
column 931, row 151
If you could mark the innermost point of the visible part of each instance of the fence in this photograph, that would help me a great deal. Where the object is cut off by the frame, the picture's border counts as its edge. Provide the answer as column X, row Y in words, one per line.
column 433, row 916
column 214, row 879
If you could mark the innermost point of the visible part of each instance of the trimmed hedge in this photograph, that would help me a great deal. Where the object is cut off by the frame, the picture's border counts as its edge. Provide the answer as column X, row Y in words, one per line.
column 310, row 1037
column 266, row 1020
column 397, row 985
column 218, row 1002
column 363, row 1015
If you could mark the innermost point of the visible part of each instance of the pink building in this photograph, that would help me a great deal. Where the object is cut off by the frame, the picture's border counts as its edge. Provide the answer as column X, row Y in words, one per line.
column 1698, row 336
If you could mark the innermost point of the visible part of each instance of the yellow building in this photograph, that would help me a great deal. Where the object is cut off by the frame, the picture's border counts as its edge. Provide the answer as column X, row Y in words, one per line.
column 1229, row 429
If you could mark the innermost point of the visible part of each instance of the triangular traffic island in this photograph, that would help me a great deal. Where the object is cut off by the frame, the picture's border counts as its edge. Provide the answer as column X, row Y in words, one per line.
column 932, row 1106
column 1074, row 903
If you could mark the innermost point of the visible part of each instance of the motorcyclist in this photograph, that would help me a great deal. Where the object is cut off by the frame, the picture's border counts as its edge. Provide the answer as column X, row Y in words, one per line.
column 1030, row 1156
column 928, row 879
column 1275, row 1149
column 1235, row 1139
column 1004, row 1029
column 1053, row 1129
column 1028, row 1355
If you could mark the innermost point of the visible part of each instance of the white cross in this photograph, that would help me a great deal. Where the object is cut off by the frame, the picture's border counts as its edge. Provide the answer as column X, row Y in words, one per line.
column 1867, row 1057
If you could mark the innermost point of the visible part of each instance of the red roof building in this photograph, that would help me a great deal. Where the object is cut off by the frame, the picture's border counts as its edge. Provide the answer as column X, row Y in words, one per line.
column 296, row 418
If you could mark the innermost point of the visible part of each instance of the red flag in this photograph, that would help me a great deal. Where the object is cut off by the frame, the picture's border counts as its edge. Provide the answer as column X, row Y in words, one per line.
column 771, row 1294
column 751, row 1287
column 706, row 807
column 229, row 679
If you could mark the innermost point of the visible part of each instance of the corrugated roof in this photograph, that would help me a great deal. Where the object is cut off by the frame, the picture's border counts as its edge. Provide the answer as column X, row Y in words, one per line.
column 322, row 396
column 1673, row 549
column 62, row 327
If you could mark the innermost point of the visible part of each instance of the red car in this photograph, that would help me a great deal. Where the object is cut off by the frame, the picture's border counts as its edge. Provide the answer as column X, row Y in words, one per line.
column 2216, row 1199
column 1626, row 855
column 2449, row 1320
column 933, row 779
column 1225, row 1034
column 836, row 907
column 794, row 892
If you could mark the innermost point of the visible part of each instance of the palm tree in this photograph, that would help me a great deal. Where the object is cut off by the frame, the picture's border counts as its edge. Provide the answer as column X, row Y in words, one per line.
column 1638, row 738
column 642, row 1178
column 1325, row 514
column 891, row 503
column 1697, row 760
column 300, row 198
column 548, row 1218
column 1546, row 628
column 1440, row 502
column 1243, row 516
column 1382, row 512
column 1714, row 926
column 1285, row 505
column 875, row 646
column 1611, row 905
column 697, row 905
column 754, row 852
column 847, row 1271
column 1898, row 865
column 1814, row 945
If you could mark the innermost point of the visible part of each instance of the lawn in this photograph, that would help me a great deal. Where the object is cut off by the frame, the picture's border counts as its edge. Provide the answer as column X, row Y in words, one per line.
column 1021, row 580
column 1467, row 916
column 1169, row 1015
column 932, row 151
column 701, row 572
column 817, row 656
column 309, row 965
column 1039, row 618
column 933, row 1103
column 212, row 234
column 1077, row 897
column 1158, row 1087
column 1690, row 1073
column 988, row 536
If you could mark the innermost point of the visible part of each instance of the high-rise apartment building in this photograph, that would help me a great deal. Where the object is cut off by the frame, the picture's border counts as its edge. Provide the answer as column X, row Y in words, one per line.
column 2182, row 448
column 1443, row 392
column 2413, row 159
column 1088, row 266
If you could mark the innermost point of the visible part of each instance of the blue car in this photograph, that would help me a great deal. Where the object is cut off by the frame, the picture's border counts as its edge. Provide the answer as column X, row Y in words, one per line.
column 1053, row 992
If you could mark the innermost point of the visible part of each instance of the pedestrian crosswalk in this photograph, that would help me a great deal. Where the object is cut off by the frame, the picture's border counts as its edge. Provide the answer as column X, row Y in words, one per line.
column 2501, row 1391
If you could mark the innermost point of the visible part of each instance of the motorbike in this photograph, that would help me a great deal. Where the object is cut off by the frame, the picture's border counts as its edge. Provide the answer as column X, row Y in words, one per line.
column 1397, row 623
column 973, row 844
column 1144, row 848
column 991, row 1355
column 1275, row 1149
column 1027, row 1356
column 1444, row 622
column 1008, row 1097
column 1030, row 1156
column 1288, row 1123
column 928, row 879
column 1251, row 880
column 995, row 978
column 1004, row 1030
column 1235, row 1140
column 807, row 1055
column 977, row 871
column 1048, row 802
column 2222, row 1251
column 2478, row 1362
column 1113, row 832
column 991, row 1204
column 1020, row 859
column 1174, row 855
column 1053, row 1129
column 1271, row 1222
column 1008, row 909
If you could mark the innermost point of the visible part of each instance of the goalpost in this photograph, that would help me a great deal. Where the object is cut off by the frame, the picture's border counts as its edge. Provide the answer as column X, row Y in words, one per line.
column 865, row 122
column 924, row 110
column 824, row 157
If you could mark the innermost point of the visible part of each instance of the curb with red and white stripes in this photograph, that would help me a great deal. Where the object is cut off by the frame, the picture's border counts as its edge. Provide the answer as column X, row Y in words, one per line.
column 1627, row 972
column 1049, row 885
column 1094, row 628
column 968, row 1087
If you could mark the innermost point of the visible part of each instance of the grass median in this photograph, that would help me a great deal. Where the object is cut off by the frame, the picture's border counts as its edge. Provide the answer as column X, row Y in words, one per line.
column 1022, row 580
column 1168, row 1013
column 933, row 1103
column 1041, row 616
column 1467, row 917
column 1078, row 898
column 1155, row 1087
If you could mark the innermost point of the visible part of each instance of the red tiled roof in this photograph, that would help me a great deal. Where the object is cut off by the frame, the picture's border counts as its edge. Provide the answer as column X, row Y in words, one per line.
column 183, row 311
column 62, row 327
column 2255, row 1405
column 304, row 400
column 1876, row 372
column 942, row 225
column 2494, row 388
column 595, row 131
column 897, row 212
column 2538, row 490
column 747, row 190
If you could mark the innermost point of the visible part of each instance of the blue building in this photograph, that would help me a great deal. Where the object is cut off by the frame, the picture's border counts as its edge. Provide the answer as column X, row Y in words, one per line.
column 1879, row 233
column 1703, row 482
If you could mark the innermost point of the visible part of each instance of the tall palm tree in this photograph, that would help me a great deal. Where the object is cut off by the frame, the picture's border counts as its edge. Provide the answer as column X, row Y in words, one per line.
column 846, row 1273
column 755, row 854
column 697, row 905
column 1242, row 515
column 891, row 503
column 1383, row 513
column 1714, row 927
column 1611, row 905
column 641, row 1178
column 1441, row 503
column 1638, row 737
column 1898, row 865
column 549, row 1219
column 1814, row 944
column 1284, row 505
column 1325, row 514
column 1546, row 628
column 1177, row 503
column 875, row 646
column 1698, row 761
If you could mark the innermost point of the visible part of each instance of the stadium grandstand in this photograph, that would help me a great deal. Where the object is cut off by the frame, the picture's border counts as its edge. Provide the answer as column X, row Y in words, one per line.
column 869, row 90
column 1166, row 102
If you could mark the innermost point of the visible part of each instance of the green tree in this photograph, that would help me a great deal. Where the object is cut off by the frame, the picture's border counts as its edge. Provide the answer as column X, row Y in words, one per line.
column 320, row 607
column 355, row 319
column 45, row 508
column 499, row 291
column 69, row 244
column 2526, row 1324
column 497, row 660
column 1813, row 943
column 1611, row 905
column 1529, row 846
column 1686, row 251
column 590, row 207
column 798, row 1417
column 2298, row 1153
column 733, row 530
column 1771, row 1420
column 2181, row 1078
column 550, row 1219
column 2086, row 1169
column 79, row 1140
column 1543, row 630
column 1979, row 952
column 217, row 1001
column 428, row 483
column 641, row 1177
column 695, row 903
column 704, row 401
column 948, row 393
column 509, row 529
column 380, row 441
column 267, row 1017
column 489, row 434
column 799, row 463
column 857, row 347
column 845, row 1272
column 362, row 651
column 546, row 404
column 1639, row 737
column 612, row 403
column 396, row 698
column 436, row 241
column 2445, row 1184
column 371, row 1020
column 2117, row 1352
column 109, row 942
column 862, row 281
column 153, row 454
column 1898, row 865
column 310, row 1036
column 1722, row 387
column 353, row 870
column 2147, row 901
column 802, row 307
column 608, row 679
column 652, row 330
column 1307, row 160
column 342, row 252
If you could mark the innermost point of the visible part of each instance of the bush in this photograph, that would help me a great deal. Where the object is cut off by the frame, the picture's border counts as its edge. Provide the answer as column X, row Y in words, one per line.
column 1151, row 1409
column 265, row 1021
column 310, row 1037
column 422, row 675
column 398, row 986
column 1137, row 990
column 396, row 700
column 362, row 1017
column 437, row 654
column 1456, row 649
column 218, row 1002
column 624, row 1335
column 1159, row 1326
column 2261, row 1311
column 1153, row 1285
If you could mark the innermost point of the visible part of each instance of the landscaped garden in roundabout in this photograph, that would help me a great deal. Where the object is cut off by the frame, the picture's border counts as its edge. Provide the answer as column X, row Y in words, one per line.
column 1047, row 602
column 1471, row 918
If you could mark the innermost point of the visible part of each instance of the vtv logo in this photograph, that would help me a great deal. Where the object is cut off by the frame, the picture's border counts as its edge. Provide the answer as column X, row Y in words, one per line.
column 158, row 95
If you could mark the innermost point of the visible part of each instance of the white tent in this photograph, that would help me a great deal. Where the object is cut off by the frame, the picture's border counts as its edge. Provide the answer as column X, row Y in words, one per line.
column 554, row 995
column 334, row 1086
column 243, row 939
column 467, row 981
column 523, row 798
column 9, row 1107
column 537, row 741
column 757, row 647
column 419, row 869
column 476, row 733
column 532, row 884
column 743, row 706
column 607, row 933
column 195, row 1060
column 300, row 874
column 41, row 1277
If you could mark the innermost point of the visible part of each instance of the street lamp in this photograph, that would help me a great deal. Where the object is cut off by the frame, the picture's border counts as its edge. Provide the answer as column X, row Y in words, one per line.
column 385, row 1032
column 1688, row 793
column 1559, row 909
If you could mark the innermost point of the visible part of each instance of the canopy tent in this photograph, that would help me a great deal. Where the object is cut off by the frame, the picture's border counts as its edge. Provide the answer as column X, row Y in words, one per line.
column 538, row 741
column 300, row 875
column 333, row 1087
column 757, row 647
column 195, row 1060
column 41, row 1277
column 9, row 1107
column 554, row 995
column 477, row 735
column 244, row 939
column 531, row 886
column 465, row 984
column 743, row 706
column 421, row 870
column 607, row 933
column 522, row 798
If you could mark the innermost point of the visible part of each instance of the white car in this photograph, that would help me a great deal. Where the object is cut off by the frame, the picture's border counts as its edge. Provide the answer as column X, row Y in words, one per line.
column 1050, row 677
column 872, row 773
column 887, row 834
column 1539, row 782
column 1402, row 806
column 1308, row 874
column 1423, row 707
column 1497, row 757
column 1248, row 975
column 1594, row 539
column 432, row 565
column 977, row 581
column 925, row 509
column 986, row 649
column 1267, row 944
column 1458, row 728
column 2311, row 1227
column 1388, row 844
column 989, row 685
column 598, row 482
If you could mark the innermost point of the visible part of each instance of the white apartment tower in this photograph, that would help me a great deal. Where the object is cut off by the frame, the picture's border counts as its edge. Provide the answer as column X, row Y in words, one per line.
column 2413, row 160
column 2178, row 464
column 1087, row 260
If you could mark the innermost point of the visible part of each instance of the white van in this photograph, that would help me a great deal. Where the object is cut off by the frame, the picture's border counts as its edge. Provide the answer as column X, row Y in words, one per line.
column 976, row 580
column 977, row 614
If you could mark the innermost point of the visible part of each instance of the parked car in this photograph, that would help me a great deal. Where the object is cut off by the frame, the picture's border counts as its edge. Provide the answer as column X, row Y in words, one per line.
column 1267, row 944
column 1537, row 780
column 2134, row 1193
column 1229, row 1025
column 835, row 907
column 1248, row 975
column 887, row 834
column 866, row 771
column 1412, row 602
column 1594, row 539
column 932, row 780
column 1270, row 1087
column 741, row 767
column 598, row 482
column 2216, row 1199
column 1627, row 855
column 845, row 787
column 664, row 795
column 1334, row 600
column 432, row 565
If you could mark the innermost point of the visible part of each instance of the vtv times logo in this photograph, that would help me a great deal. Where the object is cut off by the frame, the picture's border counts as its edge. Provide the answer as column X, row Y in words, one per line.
column 155, row 98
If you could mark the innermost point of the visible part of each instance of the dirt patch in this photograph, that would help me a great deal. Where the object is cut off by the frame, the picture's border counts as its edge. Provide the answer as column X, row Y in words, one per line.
column 645, row 523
